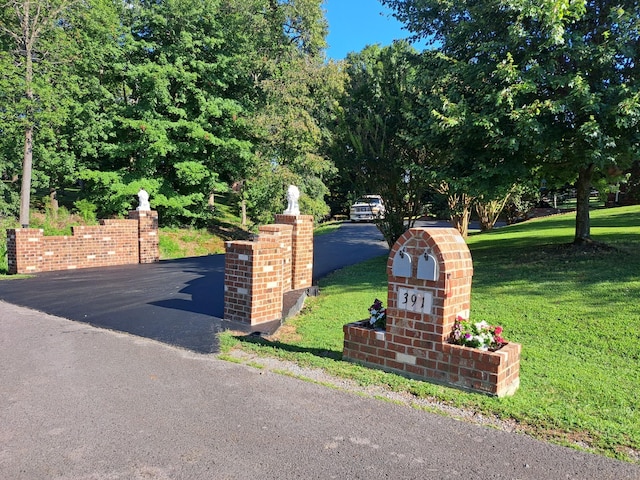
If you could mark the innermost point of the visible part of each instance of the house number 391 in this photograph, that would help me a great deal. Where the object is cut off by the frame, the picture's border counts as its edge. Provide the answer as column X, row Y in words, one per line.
column 414, row 300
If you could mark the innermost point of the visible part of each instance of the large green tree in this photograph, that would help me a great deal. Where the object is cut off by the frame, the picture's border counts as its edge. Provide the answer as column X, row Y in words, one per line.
column 182, row 97
column 35, row 52
column 561, row 78
column 174, row 125
column 460, row 115
column 372, row 148
column 291, row 106
column 209, row 94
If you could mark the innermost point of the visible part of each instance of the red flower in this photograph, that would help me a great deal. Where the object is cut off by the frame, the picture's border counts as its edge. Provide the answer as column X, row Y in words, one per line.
column 498, row 330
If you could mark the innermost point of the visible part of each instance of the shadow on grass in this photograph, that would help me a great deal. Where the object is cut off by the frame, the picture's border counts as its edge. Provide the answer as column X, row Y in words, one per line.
column 614, row 226
column 286, row 347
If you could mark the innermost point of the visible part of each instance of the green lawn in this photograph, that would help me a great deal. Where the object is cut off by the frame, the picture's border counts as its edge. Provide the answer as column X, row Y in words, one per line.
column 575, row 313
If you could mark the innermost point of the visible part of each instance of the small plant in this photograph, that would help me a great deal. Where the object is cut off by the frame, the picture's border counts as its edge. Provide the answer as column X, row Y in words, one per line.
column 86, row 210
column 477, row 335
column 377, row 315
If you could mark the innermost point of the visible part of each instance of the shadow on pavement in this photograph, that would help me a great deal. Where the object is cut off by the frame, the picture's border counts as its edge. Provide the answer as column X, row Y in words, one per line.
column 179, row 302
column 318, row 352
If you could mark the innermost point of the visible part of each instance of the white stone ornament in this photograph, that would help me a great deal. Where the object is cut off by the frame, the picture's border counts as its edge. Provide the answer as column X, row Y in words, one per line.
column 143, row 201
column 293, row 195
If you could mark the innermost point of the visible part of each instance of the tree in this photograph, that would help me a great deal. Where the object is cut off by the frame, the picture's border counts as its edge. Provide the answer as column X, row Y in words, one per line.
column 555, row 83
column 174, row 124
column 371, row 148
column 290, row 107
column 293, row 135
column 29, row 23
column 210, row 94
column 182, row 97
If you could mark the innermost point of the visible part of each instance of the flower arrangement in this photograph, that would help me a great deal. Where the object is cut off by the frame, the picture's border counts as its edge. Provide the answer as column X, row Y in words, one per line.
column 377, row 315
column 477, row 335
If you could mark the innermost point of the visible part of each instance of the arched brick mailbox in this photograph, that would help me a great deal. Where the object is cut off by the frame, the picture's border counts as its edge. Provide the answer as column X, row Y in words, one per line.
column 430, row 272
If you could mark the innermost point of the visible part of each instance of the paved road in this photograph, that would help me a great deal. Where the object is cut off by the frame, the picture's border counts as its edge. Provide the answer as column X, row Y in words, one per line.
column 179, row 302
column 79, row 402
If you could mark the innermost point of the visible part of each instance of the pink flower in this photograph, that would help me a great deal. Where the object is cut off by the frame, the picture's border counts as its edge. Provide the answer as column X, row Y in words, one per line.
column 498, row 330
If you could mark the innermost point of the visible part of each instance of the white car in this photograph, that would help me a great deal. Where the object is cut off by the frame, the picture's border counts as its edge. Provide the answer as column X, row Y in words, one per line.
column 367, row 208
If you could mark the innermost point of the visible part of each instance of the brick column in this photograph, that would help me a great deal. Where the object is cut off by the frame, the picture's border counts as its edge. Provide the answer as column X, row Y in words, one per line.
column 24, row 250
column 149, row 251
column 302, row 249
column 283, row 236
column 252, row 282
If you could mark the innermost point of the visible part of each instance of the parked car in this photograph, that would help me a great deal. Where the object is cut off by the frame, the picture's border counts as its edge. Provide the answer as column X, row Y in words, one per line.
column 367, row 208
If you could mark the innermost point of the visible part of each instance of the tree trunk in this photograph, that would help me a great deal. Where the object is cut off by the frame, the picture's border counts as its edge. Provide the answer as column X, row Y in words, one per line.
column 27, row 160
column 53, row 201
column 460, row 221
column 583, row 191
column 25, row 192
column 489, row 212
column 243, row 214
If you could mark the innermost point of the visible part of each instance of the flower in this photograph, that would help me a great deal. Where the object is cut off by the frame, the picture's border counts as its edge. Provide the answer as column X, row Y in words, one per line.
column 377, row 315
column 477, row 335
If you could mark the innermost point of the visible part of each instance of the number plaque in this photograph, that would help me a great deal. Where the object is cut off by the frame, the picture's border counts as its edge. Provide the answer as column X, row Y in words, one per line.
column 414, row 300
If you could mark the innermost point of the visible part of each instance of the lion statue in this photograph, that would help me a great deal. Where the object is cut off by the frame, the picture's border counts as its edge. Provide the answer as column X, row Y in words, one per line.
column 293, row 195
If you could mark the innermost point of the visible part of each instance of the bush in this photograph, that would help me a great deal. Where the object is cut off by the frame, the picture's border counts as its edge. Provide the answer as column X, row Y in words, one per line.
column 87, row 210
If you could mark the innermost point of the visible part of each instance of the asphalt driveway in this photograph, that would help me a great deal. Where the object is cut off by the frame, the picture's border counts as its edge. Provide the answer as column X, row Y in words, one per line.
column 179, row 302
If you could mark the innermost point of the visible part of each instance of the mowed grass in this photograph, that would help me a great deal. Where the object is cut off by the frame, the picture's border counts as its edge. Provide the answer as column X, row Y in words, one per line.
column 576, row 313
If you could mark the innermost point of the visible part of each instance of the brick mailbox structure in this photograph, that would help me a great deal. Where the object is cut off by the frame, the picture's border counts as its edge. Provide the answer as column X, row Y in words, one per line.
column 112, row 242
column 430, row 272
column 258, row 274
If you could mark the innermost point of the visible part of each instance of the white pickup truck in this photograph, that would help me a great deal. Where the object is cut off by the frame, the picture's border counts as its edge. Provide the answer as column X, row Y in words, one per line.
column 367, row 208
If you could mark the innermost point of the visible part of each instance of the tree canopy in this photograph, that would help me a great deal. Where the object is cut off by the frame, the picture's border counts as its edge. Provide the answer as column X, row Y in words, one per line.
column 551, row 86
column 371, row 149
column 182, row 97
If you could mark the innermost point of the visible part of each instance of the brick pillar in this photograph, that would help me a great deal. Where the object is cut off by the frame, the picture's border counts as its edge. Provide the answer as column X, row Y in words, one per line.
column 302, row 249
column 283, row 236
column 24, row 250
column 252, row 282
column 149, row 251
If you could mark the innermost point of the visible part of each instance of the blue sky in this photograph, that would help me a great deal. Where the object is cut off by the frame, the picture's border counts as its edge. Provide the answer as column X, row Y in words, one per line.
column 354, row 24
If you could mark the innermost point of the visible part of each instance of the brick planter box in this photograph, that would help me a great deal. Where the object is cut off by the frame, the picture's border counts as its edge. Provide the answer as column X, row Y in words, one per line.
column 494, row 373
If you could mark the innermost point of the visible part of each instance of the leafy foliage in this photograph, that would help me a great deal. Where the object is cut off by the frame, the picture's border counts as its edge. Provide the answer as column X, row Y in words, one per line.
column 523, row 86
column 183, row 97
column 371, row 149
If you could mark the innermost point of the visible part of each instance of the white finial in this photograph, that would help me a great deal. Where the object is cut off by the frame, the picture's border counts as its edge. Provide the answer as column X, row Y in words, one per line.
column 143, row 200
column 293, row 194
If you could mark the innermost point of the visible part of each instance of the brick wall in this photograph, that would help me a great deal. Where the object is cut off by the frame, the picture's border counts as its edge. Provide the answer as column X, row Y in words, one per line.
column 148, row 241
column 302, row 249
column 257, row 274
column 113, row 242
column 430, row 273
column 253, row 282
column 283, row 236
